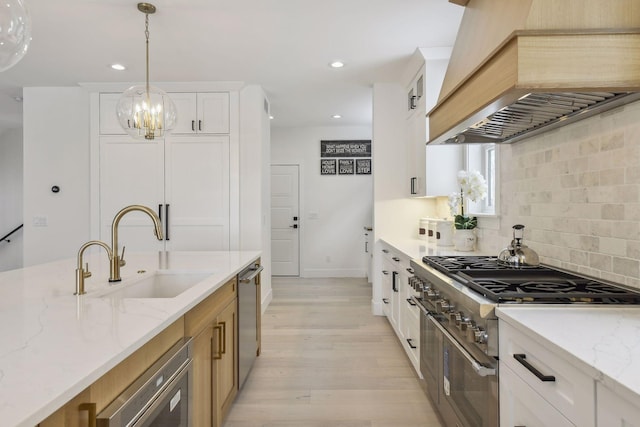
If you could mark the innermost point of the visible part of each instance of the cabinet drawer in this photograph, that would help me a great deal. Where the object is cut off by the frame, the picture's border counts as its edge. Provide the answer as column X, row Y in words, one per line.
column 571, row 391
column 204, row 313
column 520, row 405
column 614, row 409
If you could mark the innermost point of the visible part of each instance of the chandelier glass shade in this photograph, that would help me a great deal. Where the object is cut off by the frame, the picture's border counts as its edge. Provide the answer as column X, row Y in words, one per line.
column 15, row 32
column 145, row 111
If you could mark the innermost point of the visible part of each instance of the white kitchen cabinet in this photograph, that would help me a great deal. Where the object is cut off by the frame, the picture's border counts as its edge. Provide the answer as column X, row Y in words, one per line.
column 198, row 113
column 185, row 177
column 521, row 405
column 432, row 170
column 368, row 252
column 108, row 120
column 403, row 316
column 613, row 409
column 201, row 113
column 551, row 377
column 392, row 294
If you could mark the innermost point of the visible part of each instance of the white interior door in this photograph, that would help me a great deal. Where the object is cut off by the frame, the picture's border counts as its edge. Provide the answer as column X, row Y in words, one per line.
column 285, row 224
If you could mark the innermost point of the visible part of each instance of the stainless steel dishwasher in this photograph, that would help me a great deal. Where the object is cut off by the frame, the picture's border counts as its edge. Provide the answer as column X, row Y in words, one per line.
column 248, row 306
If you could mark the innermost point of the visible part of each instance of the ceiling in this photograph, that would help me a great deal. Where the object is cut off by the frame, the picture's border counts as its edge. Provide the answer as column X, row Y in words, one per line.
column 283, row 45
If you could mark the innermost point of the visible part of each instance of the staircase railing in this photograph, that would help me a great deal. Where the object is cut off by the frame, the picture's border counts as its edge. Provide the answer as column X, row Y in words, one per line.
column 9, row 234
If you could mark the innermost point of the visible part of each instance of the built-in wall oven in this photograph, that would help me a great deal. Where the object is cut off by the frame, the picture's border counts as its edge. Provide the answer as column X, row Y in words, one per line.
column 459, row 327
column 161, row 397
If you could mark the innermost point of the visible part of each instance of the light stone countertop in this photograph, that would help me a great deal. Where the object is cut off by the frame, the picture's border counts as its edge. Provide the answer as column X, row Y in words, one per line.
column 603, row 342
column 416, row 248
column 54, row 344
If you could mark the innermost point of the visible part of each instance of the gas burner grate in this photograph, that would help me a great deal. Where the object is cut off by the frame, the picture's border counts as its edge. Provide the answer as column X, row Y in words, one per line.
column 539, row 284
column 451, row 264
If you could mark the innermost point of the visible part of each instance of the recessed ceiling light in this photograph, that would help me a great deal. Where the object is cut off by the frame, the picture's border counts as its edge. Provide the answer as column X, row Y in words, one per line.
column 336, row 116
column 118, row 67
column 271, row 117
column 336, row 64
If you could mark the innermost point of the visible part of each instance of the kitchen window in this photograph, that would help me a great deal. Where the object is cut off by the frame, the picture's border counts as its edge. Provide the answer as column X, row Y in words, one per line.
column 484, row 159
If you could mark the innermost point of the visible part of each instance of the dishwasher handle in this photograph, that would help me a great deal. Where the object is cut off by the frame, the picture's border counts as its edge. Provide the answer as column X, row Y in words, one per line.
column 251, row 274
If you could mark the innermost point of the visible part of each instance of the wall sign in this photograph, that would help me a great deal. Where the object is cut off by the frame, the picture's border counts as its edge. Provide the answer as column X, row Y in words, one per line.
column 327, row 166
column 363, row 166
column 355, row 148
column 345, row 166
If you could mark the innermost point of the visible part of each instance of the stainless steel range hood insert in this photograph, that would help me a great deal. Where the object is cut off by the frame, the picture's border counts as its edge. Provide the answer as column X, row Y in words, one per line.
column 534, row 113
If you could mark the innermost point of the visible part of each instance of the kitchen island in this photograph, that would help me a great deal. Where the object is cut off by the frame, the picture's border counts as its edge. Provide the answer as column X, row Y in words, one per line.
column 56, row 344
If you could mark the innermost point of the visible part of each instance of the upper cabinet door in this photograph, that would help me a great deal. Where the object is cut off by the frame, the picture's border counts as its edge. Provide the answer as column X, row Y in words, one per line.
column 213, row 112
column 187, row 115
column 109, row 124
column 201, row 113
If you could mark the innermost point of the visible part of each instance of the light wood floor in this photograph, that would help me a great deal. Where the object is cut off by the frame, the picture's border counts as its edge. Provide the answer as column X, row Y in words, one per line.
column 328, row 362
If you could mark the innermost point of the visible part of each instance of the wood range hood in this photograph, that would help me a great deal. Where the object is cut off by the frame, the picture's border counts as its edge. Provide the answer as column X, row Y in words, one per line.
column 522, row 67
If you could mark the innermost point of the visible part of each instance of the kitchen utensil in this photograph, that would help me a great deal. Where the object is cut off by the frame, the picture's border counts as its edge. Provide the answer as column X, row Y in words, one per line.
column 517, row 254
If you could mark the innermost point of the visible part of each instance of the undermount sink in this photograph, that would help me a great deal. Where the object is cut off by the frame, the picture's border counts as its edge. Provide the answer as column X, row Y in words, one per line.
column 160, row 284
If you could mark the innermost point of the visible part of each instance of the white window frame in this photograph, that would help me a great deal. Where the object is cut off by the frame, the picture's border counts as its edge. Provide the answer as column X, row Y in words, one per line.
column 484, row 158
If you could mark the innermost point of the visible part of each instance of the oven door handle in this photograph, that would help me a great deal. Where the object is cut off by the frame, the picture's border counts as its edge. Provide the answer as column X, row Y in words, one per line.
column 480, row 369
column 165, row 392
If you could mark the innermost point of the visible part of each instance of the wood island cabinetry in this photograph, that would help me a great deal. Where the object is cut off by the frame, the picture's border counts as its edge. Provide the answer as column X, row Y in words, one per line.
column 213, row 324
column 214, row 328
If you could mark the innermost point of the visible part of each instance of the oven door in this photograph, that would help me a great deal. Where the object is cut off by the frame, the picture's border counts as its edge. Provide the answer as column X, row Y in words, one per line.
column 172, row 407
column 430, row 352
column 160, row 397
column 469, row 386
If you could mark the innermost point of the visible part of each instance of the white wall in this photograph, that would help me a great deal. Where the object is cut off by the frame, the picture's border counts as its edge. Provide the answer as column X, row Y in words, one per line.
column 333, row 208
column 255, row 181
column 11, row 198
column 56, row 152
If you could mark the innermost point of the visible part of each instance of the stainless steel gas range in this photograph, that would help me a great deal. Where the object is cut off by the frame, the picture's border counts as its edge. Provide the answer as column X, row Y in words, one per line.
column 459, row 327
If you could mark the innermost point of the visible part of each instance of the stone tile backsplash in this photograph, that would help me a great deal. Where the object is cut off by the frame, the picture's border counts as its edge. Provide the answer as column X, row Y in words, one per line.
column 577, row 191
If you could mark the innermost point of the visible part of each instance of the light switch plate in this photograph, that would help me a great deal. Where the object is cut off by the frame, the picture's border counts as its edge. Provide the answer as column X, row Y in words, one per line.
column 39, row 221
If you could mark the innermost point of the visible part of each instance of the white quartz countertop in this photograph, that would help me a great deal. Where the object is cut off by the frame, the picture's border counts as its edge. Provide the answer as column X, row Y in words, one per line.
column 604, row 341
column 54, row 344
column 416, row 248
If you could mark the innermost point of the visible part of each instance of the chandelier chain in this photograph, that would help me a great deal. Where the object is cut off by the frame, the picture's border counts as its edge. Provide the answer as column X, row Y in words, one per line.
column 146, row 34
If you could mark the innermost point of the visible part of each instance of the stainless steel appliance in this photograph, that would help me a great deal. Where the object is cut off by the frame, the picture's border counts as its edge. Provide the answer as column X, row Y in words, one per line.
column 159, row 397
column 459, row 327
column 248, row 308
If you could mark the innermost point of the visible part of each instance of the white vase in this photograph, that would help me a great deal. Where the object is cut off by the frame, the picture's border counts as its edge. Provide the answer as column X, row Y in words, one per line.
column 464, row 240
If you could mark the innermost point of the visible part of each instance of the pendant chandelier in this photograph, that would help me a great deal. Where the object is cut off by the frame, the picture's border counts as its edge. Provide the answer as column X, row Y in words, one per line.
column 15, row 32
column 146, row 111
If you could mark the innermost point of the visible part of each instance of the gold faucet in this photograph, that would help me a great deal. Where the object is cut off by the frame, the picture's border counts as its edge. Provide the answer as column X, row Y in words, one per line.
column 82, row 273
column 118, row 261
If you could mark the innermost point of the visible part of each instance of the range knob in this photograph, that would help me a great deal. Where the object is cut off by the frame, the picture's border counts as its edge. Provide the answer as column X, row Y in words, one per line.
column 444, row 306
column 454, row 317
column 471, row 331
column 464, row 323
column 481, row 336
column 432, row 295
